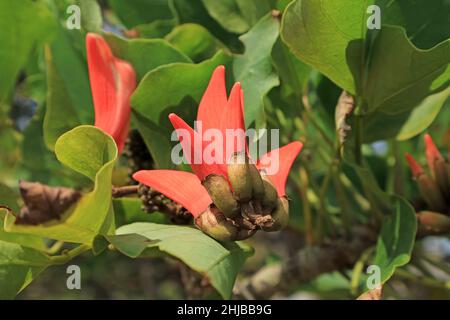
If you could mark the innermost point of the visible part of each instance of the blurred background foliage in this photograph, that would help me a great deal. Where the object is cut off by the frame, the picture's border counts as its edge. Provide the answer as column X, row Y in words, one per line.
column 290, row 83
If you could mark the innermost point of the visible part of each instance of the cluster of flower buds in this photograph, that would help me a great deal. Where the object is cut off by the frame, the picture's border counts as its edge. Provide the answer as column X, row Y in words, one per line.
column 136, row 151
column 434, row 188
column 242, row 204
column 154, row 201
column 232, row 198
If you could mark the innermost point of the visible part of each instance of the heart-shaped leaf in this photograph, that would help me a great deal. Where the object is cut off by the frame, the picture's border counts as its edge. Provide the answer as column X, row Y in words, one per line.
column 407, row 124
column 144, row 54
column 237, row 15
column 136, row 12
column 382, row 67
column 254, row 68
column 396, row 239
column 23, row 24
column 400, row 75
column 19, row 265
column 319, row 32
column 69, row 100
column 195, row 41
column 92, row 153
column 220, row 262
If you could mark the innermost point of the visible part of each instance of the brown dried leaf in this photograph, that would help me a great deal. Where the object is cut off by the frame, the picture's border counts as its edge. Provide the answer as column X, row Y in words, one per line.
column 344, row 108
column 374, row 294
column 44, row 203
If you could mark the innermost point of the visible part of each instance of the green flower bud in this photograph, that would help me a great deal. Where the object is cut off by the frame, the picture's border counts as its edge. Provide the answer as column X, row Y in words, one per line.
column 280, row 216
column 441, row 176
column 245, row 234
column 448, row 172
column 239, row 176
column 431, row 193
column 216, row 225
column 269, row 201
column 433, row 222
column 220, row 192
column 257, row 183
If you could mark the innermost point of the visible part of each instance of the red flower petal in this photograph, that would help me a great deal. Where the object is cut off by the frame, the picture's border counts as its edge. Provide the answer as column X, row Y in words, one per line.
column 112, row 83
column 193, row 146
column 431, row 151
column 416, row 169
column 213, row 101
column 233, row 120
column 180, row 186
column 277, row 163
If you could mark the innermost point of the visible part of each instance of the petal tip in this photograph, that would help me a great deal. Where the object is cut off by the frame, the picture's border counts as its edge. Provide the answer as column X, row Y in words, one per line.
column 415, row 167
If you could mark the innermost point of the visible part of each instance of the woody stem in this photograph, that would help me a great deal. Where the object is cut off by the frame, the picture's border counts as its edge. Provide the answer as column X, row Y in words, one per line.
column 118, row 192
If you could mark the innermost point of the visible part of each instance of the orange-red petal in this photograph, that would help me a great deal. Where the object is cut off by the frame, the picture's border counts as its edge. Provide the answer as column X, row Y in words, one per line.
column 232, row 123
column 214, row 100
column 112, row 84
column 192, row 144
column 180, row 186
column 431, row 151
column 278, row 163
column 416, row 168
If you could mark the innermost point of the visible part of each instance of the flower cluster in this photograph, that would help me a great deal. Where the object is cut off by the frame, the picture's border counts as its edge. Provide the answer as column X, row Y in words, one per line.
column 233, row 198
column 434, row 187
column 230, row 199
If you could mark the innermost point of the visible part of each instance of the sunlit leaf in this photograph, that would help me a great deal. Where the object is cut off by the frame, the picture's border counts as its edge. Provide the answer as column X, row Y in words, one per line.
column 220, row 262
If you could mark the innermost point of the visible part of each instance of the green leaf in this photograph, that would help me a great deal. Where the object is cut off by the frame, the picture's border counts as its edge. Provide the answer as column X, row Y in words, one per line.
column 330, row 35
column 44, row 167
column 69, row 100
column 9, row 197
column 378, row 198
column 91, row 152
column 91, row 17
column 319, row 33
column 237, row 15
column 128, row 210
column 195, row 41
column 68, row 55
column 188, row 11
column 157, row 140
column 405, row 125
column 220, row 262
column 144, row 54
column 61, row 115
column 176, row 87
column 418, row 73
column 23, row 24
column 426, row 22
column 155, row 29
column 396, row 239
column 26, row 240
column 167, row 85
column 423, row 115
column 18, row 267
column 254, row 68
column 136, row 12
column 293, row 73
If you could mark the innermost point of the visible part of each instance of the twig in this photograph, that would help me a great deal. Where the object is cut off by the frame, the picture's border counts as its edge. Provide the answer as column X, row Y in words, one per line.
column 118, row 192
column 423, row 280
column 66, row 256
column 308, row 263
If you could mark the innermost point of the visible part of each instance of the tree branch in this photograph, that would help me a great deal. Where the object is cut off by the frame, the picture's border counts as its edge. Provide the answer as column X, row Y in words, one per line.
column 307, row 264
column 336, row 254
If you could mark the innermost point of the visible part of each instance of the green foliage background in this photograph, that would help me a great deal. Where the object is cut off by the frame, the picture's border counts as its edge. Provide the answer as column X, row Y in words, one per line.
column 293, row 59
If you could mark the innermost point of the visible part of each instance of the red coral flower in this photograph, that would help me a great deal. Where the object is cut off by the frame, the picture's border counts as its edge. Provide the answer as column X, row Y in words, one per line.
column 215, row 111
column 112, row 83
